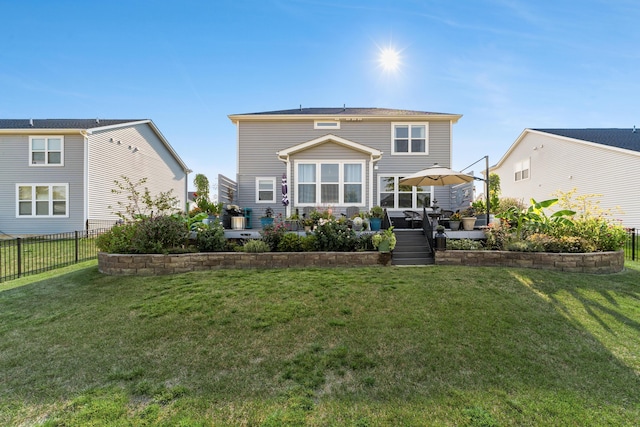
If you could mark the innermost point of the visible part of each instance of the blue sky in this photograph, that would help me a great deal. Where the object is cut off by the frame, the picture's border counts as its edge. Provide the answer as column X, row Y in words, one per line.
column 505, row 65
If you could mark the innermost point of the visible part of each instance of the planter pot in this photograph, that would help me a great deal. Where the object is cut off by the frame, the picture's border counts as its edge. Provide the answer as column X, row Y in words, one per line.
column 375, row 223
column 384, row 246
column 468, row 223
column 307, row 228
column 266, row 221
column 454, row 225
column 237, row 222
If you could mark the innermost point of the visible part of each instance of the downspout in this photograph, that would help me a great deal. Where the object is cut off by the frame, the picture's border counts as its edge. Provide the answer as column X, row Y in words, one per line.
column 85, row 180
column 186, row 189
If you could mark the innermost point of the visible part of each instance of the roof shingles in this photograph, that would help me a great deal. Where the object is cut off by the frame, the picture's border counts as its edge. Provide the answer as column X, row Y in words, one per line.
column 628, row 139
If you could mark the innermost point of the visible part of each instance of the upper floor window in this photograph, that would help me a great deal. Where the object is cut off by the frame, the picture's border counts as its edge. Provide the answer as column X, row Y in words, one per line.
column 410, row 138
column 521, row 170
column 265, row 190
column 326, row 124
column 46, row 150
column 393, row 195
column 42, row 200
column 335, row 183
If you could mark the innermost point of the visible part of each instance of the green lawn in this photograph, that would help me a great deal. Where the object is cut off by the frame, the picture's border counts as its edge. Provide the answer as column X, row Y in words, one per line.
column 373, row 346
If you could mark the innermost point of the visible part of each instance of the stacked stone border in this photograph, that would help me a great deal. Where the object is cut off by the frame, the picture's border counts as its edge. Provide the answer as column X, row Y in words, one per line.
column 154, row 265
column 592, row 262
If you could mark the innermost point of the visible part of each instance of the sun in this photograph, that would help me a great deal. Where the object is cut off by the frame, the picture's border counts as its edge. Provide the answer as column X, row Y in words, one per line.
column 389, row 59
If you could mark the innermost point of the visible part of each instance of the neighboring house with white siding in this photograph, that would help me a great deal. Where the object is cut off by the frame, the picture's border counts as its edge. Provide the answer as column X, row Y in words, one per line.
column 56, row 175
column 339, row 158
column 593, row 161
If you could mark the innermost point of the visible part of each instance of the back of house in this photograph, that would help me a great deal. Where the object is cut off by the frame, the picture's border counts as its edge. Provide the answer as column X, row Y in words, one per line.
column 339, row 158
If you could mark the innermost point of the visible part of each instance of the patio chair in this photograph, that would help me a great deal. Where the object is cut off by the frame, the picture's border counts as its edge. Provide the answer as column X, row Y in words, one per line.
column 352, row 211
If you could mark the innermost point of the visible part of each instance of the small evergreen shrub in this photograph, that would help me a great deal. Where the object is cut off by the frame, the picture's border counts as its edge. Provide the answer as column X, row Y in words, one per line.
column 364, row 242
column 308, row 243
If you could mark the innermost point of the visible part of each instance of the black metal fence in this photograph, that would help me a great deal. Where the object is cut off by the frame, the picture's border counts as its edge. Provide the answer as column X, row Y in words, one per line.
column 23, row 256
column 631, row 250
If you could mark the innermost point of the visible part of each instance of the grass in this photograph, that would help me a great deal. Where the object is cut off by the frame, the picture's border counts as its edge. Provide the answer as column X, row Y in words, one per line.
column 322, row 347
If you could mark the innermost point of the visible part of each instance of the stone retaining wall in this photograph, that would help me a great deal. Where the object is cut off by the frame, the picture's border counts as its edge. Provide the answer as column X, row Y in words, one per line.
column 594, row 262
column 152, row 265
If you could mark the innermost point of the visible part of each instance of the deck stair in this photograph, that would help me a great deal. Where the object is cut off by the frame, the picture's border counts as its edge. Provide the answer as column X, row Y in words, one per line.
column 411, row 248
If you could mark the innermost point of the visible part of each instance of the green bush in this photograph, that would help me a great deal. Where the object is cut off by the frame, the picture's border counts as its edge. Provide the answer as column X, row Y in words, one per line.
column 290, row 242
column 158, row 234
column 272, row 234
column 211, row 239
column 308, row 243
column 364, row 242
column 118, row 239
column 334, row 235
column 256, row 246
column 464, row 244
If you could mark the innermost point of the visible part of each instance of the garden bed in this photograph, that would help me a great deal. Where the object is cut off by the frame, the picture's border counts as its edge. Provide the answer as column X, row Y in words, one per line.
column 591, row 262
column 153, row 265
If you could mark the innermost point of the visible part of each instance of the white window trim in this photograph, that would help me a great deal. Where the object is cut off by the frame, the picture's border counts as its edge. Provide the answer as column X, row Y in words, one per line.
column 265, row 178
column 33, row 207
column 410, row 153
column 396, row 192
column 341, row 182
column 46, row 157
column 326, row 124
column 521, row 166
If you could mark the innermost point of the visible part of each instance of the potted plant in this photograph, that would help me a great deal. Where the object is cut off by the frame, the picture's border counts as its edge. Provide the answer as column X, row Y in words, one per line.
column 468, row 219
column 267, row 218
column 384, row 241
column 375, row 218
column 454, row 221
column 357, row 223
column 308, row 224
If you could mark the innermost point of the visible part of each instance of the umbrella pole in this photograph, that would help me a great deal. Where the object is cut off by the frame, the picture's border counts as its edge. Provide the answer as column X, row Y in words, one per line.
column 486, row 159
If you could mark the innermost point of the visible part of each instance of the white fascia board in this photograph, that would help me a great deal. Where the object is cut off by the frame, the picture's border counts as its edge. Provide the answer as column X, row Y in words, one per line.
column 235, row 118
column 329, row 138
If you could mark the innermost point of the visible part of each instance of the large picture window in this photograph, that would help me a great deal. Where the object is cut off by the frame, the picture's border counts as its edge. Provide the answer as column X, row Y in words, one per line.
column 42, row 200
column 410, row 138
column 46, row 150
column 330, row 183
column 393, row 195
column 265, row 190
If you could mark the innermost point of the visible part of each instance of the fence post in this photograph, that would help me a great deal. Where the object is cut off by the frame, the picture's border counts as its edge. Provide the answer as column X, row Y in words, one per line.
column 19, row 257
column 77, row 243
column 633, row 245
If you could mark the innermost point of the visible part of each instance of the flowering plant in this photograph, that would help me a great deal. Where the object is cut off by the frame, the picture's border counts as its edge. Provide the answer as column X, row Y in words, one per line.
column 455, row 216
column 234, row 210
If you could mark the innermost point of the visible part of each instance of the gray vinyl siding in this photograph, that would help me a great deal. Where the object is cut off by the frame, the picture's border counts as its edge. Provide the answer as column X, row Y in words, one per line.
column 109, row 160
column 14, row 167
column 259, row 141
column 558, row 164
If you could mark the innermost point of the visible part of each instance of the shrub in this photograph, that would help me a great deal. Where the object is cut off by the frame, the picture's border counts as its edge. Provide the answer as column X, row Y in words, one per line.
column 118, row 239
column 159, row 234
column 605, row 236
column 464, row 244
column 364, row 242
column 333, row 235
column 308, row 243
column 256, row 246
column 211, row 239
column 290, row 242
column 520, row 246
column 497, row 236
column 272, row 234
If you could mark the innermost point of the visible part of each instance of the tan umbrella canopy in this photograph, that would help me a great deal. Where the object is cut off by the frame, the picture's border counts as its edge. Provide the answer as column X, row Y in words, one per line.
column 436, row 175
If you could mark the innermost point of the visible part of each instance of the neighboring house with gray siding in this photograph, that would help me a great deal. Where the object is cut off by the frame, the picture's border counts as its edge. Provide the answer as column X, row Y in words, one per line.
column 542, row 162
column 56, row 175
column 339, row 158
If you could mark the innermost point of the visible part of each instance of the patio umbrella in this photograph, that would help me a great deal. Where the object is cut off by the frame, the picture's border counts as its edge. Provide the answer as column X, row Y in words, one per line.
column 436, row 175
column 285, row 195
